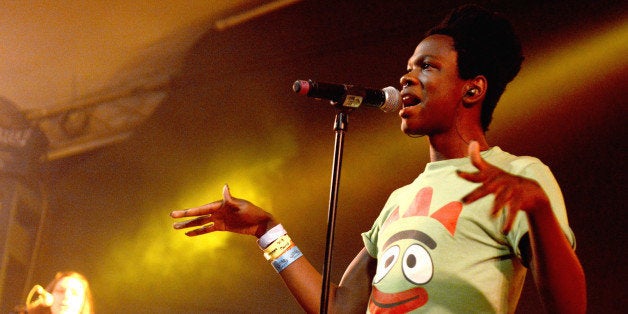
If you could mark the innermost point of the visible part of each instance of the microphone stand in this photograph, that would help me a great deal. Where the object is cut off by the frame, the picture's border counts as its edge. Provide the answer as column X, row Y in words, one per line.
column 340, row 127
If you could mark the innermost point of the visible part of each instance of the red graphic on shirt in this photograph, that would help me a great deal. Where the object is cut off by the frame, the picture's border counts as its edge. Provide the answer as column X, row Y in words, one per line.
column 401, row 302
column 447, row 215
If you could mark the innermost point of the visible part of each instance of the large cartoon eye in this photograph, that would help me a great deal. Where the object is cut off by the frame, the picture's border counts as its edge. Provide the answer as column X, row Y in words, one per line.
column 386, row 262
column 417, row 265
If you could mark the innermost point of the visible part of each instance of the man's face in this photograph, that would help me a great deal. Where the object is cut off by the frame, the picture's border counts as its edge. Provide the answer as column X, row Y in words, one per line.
column 432, row 88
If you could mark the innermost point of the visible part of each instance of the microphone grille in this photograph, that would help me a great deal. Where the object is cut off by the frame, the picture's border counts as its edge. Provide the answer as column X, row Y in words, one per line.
column 393, row 99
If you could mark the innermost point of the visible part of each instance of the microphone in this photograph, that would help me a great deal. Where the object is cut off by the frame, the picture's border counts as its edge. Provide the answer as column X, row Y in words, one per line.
column 350, row 96
column 44, row 298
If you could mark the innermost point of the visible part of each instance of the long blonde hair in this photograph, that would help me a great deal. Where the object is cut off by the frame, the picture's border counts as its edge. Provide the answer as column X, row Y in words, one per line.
column 88, row 303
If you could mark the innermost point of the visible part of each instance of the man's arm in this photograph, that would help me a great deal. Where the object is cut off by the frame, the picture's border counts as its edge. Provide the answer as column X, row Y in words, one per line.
column 555, row 266
column 350, row 296
column 304, row 281
column 557, row 272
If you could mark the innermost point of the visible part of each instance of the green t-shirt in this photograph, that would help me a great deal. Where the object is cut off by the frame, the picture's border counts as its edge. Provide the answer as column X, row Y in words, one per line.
column 437, row 255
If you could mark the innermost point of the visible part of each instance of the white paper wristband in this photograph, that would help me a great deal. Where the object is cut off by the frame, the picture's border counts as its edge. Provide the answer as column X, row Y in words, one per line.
column 270, row 236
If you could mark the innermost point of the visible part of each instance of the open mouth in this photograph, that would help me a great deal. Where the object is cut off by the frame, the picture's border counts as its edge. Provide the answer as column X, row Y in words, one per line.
column 410, row 100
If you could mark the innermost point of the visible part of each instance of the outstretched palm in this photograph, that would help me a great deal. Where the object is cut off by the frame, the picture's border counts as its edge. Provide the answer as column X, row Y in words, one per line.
column 229, row 214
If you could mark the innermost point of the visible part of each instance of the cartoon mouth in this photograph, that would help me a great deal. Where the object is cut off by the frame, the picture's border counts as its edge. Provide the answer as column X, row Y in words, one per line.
column 399, row 302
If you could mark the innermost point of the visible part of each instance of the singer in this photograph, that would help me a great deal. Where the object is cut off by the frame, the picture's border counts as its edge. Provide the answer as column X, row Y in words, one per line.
column 462, row 236
column 67, row 293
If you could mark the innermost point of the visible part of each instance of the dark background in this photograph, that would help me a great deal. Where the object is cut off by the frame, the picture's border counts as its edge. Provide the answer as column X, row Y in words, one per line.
column 231, row 117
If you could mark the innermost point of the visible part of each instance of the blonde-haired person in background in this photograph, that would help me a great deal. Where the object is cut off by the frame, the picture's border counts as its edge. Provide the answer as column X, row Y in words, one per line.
column 71, row 294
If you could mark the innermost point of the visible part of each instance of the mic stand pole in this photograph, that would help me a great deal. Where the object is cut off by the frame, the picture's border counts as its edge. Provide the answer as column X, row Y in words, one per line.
column 340, row 127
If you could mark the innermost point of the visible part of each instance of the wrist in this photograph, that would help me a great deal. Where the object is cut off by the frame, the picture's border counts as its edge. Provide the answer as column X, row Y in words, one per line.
column 270, row 236
column 279, row 248
column 264, row 227
column 540, row 206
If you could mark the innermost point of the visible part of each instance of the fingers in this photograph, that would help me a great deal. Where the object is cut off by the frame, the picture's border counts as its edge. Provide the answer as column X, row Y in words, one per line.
column 512, row 193
column 476, row 177
column 202, row 230
column 205, row 209
column 197, row 211
column 476, row 158
column 226, row 194
column 494, row 181
column 203, row 215
column 491, row 184
column 206, row 223
column 478, row 162
column 513, row 208
column 199, row 221
column 502, row 199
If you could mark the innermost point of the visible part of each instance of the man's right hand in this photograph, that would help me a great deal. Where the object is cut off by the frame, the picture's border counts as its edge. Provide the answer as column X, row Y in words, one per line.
column 229, row 214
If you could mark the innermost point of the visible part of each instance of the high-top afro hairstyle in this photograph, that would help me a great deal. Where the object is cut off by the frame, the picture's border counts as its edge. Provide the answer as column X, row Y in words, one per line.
column 486, row 45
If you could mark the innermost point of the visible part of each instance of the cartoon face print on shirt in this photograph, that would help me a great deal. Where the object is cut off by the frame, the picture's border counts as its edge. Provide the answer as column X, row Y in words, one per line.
column 407, row 252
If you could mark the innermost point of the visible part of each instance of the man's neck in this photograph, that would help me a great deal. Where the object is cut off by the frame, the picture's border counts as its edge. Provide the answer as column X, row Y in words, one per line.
column 447, row 146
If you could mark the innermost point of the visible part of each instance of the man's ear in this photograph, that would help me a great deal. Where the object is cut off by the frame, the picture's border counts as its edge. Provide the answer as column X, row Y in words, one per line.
column 474, row 91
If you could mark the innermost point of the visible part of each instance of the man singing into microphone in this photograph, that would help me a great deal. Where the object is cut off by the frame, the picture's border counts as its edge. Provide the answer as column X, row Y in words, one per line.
column 461, row 237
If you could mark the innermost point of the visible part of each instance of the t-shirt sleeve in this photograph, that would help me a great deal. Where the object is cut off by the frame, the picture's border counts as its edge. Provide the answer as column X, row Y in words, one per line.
column 370, row 237
column 533, row 169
